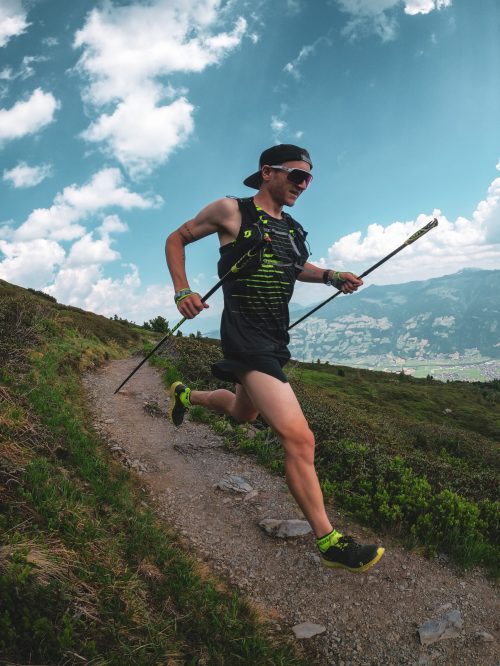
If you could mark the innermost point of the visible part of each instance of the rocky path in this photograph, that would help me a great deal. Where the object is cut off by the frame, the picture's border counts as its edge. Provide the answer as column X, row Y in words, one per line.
column 368, row 619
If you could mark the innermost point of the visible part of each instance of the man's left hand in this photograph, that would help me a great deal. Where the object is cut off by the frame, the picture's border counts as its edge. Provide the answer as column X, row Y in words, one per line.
column 350, row 283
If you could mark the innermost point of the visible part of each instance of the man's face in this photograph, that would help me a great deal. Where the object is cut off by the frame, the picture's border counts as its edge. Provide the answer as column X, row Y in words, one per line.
column 283, row 190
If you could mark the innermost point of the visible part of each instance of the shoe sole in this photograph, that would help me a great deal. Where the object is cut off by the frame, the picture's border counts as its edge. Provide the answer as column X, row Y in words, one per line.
column 172, row 400
column 368, row 565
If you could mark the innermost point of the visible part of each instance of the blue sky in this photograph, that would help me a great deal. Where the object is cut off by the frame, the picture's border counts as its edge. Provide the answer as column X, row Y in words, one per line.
column 120, row 120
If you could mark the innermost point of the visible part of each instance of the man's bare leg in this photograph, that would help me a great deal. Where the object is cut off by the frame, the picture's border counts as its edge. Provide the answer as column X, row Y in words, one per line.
column 277, row 403
column 279, row 406
column 238, row 405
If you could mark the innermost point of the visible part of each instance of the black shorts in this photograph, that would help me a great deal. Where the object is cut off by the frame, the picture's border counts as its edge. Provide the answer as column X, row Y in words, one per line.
column 234, row 364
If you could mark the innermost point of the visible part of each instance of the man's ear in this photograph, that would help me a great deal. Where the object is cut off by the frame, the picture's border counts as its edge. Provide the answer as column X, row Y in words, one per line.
column 266, row 172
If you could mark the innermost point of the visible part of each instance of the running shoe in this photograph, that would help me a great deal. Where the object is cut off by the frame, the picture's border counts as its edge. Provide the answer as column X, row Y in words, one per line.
column 179, row 402
column 346, row 553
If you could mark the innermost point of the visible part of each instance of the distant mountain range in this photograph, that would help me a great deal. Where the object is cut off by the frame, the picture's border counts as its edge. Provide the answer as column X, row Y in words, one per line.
column 448, row 321
column 448, row 327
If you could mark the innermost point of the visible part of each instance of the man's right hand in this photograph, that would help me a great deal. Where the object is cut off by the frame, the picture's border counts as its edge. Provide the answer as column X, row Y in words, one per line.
column 191, row 305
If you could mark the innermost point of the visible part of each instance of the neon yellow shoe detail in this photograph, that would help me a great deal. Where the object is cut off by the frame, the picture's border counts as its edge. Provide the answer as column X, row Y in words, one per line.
column 179, row 402
column 347, row 554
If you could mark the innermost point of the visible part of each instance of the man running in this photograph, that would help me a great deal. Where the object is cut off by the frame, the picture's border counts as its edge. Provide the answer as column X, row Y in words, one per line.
column 254, row 328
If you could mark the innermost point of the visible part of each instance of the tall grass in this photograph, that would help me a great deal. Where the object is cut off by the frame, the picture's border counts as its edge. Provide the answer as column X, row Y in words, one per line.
column 88, row 574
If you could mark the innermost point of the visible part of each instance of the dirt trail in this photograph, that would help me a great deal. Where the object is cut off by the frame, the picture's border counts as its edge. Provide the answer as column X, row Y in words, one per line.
column 370, row 619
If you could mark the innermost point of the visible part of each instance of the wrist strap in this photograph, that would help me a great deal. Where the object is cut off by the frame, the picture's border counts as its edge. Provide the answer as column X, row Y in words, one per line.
column 182, row 294
column 336, row 277
column 332, row 278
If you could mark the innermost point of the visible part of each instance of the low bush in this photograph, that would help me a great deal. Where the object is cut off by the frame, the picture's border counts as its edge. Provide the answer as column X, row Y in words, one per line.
column 429, row 483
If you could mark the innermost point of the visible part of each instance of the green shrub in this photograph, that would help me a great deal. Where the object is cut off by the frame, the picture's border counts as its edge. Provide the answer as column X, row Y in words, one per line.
column 431, row 482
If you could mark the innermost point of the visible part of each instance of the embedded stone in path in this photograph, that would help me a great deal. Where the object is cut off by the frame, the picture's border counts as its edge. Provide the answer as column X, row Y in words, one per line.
column 447, row 626
column 235, row 483
column 285, row 529
column 308, row 630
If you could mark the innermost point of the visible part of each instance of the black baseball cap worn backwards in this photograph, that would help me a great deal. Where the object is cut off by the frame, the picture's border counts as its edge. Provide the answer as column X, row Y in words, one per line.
column 284, row 152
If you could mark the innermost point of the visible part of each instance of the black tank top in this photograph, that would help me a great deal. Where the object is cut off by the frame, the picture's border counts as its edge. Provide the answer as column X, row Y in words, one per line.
column 255, row 317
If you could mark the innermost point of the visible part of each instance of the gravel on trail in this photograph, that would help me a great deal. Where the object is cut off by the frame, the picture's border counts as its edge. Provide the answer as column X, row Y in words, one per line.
column 370, row 619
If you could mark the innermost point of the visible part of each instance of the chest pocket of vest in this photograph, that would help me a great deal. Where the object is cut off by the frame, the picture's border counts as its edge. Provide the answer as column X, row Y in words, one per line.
column 229, row 255
column 287, row 246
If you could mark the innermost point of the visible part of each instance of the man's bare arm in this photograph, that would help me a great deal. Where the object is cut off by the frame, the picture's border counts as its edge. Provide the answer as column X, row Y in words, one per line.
column 221, row 217
column 312, row 273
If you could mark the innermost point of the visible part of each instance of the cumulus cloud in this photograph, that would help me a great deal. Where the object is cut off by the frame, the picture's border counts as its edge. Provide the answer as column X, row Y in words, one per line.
column 89, row 250
column 28, row 117
column 53, row 250
column 62, row 221
column 128, row 52
column 141, row 145
column 32, row 263
column 378, row 16
column 88, row 288
column 23, row 175
column 453, row 245
column 13, row 20
column 487, row 215
column 425, row 6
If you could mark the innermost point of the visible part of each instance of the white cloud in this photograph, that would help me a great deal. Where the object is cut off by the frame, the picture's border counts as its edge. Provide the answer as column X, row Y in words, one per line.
column 293, row 67
column 62, row 220
column 86, row 287
column 140, row 146
column 33, row 254
column 425, row 6
column 50, row 41
column 12, row 20
column 104, row 189
column 29, row 116
column 31, row 263
column 487, row 214
column 111, row 224
column 378, row 16
column 278, row 126
column 127, row 53
column 27, row 68
column 450, row 247
column 25, row 71
column 88, row 250
column 23, row 175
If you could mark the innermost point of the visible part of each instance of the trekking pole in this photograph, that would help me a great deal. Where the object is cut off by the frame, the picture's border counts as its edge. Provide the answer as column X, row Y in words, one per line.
column 235, row 268
column 430, row 225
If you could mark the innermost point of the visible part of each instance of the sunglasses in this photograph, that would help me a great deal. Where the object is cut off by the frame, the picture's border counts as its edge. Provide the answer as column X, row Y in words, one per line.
column 295, row 176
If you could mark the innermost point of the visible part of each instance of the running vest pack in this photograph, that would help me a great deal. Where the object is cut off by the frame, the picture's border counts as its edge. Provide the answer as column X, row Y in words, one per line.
column 255, row 317
column 254, row 226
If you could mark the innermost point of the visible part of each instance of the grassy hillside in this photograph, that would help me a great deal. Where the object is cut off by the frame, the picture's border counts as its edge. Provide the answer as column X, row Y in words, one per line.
column 414, row 457
column 87, row 573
